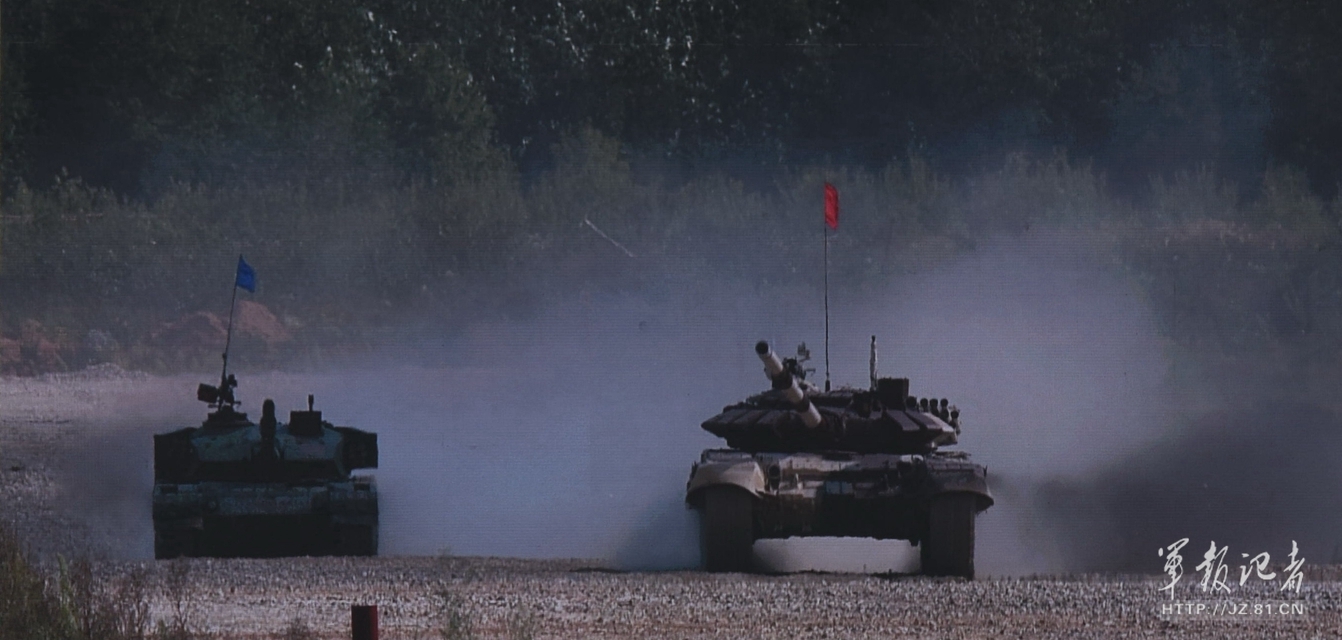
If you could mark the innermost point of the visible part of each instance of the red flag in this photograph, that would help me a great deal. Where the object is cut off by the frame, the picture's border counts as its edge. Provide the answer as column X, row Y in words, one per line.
column 831, row 206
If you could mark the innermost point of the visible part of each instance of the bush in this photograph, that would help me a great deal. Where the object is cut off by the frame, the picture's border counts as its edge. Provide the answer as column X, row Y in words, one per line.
column 345, row 257
column 298, row 629
column 77, row 604
column 522, row 625
column 458, row 621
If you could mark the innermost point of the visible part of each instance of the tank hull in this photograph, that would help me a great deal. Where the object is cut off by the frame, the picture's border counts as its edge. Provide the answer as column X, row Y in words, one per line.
column 240, row 519
column 841, row 494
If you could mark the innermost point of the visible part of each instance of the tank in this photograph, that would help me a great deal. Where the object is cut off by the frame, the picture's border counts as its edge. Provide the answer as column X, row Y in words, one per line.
column 235, row 488
column 850, row 462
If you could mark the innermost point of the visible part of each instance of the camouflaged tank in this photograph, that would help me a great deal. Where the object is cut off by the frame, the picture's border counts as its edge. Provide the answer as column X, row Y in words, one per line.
column 848, row 462
column 234, row 488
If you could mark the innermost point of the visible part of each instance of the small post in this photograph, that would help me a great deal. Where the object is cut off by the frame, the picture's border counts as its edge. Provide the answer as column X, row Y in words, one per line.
column 363, row 621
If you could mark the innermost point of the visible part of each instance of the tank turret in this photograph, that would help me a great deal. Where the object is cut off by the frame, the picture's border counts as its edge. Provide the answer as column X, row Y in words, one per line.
column 231, row 487
column 789, row 379
column 863, row 462
column 794, row 415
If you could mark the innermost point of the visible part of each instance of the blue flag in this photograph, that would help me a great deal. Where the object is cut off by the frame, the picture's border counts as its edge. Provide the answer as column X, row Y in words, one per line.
column 246, row 276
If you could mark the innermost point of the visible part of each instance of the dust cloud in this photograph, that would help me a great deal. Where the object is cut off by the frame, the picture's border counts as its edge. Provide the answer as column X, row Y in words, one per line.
column 567, row 435
column 1054, row 360
column 570, row 433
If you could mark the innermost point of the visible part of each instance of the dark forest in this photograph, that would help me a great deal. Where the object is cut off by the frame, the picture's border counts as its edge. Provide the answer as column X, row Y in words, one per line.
column 380, row 162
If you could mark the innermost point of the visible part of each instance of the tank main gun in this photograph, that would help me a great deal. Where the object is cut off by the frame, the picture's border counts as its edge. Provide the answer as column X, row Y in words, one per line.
column 788, row 376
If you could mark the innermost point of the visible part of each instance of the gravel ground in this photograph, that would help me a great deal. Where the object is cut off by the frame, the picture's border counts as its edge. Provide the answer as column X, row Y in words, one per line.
column 571, row 599
column 40, row 427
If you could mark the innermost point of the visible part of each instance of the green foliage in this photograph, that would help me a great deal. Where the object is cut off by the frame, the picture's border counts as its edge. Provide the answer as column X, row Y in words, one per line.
column 27, row 609
column 1288, row 201
column 1025, row 193
column 1243, row 279
column 456, row 618
column 199, row 92
column 522, row 625
column 102, row 608
column 438, row 120
column 1190, row 196
column 298, row 629
column 344, row 260
column 137, row 97
column 591, row 179
column 176, row 586
column 1191, row 109
column 79, row 604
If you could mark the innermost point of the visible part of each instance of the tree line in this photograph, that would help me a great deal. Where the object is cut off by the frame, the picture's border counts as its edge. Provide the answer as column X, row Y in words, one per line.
column 132, row 95
column 451, row 160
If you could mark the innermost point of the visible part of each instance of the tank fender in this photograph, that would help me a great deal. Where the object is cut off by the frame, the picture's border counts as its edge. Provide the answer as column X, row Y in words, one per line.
column 745, row 474
column 961, row 477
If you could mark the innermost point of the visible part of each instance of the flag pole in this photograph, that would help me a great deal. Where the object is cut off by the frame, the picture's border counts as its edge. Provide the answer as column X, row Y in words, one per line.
column 223, row 377
column 826, row 307
column 831, row 222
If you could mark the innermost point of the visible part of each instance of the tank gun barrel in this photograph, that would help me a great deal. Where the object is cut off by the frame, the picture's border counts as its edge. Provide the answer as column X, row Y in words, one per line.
column 785, row 381
column 772, row 364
